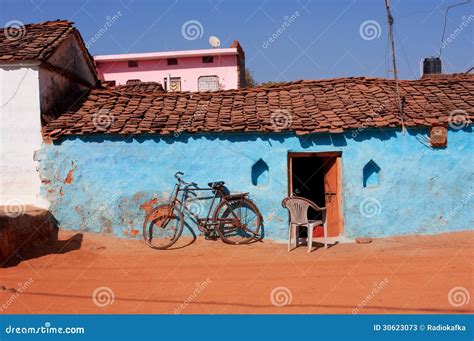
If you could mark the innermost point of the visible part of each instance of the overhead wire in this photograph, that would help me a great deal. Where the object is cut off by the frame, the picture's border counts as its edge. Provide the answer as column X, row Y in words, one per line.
column 445, row 21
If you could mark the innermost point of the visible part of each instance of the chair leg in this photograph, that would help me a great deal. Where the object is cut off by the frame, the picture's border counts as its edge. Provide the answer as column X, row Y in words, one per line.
column 289, row 237
column 292, row 234
column 310, row 238
column 296, row 235
column 325, row 235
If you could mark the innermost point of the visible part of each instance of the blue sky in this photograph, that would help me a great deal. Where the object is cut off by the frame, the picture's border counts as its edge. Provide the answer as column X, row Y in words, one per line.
column 322, row 39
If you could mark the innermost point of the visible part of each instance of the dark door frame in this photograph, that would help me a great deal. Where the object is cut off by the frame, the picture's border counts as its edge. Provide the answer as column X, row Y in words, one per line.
column 336, row 154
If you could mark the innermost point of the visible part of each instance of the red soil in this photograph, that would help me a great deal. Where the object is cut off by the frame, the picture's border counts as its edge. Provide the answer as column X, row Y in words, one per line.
column 395, row 275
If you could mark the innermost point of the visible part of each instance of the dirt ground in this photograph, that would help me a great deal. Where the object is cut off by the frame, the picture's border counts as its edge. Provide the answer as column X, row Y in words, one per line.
column 92, row 273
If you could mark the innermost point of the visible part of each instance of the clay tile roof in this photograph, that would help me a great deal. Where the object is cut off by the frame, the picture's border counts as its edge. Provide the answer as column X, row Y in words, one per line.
column 142, row 87
column 33, row 41
column 303, row 107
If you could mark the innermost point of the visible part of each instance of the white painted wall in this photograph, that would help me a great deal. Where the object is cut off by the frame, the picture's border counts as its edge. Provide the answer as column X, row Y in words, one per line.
column 20, row 134
column 27, row 90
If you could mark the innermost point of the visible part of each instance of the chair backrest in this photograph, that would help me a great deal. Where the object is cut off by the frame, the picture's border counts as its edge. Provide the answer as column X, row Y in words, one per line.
column 298, row 208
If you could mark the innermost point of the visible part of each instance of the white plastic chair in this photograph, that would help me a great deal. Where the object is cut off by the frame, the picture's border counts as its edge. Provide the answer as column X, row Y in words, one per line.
column 298, row 208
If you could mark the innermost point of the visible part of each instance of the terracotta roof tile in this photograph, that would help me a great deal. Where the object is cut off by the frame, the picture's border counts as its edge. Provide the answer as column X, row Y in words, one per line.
column 33, row 41
column 305, row 107
column 142, row 87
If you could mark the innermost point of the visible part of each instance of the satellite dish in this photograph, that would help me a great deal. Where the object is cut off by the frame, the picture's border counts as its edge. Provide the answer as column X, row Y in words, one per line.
column 214, row 41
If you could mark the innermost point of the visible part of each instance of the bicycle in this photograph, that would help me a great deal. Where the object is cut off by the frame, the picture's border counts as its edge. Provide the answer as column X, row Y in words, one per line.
column 235, row 218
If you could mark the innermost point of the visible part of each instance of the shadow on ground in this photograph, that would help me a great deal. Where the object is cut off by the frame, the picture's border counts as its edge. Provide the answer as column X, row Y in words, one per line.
column 54, row 247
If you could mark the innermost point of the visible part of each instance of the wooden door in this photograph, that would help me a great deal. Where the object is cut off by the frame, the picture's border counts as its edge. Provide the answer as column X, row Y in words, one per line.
column 332, row 193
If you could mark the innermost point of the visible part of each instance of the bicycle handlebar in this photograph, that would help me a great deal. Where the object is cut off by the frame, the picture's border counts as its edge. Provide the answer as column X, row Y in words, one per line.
column 179, row 177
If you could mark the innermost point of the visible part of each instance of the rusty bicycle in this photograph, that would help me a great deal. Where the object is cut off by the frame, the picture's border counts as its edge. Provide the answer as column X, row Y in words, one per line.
column 233, row 218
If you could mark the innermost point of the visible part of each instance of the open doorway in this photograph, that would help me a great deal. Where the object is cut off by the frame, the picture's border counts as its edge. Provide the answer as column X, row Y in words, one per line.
column 317, row 177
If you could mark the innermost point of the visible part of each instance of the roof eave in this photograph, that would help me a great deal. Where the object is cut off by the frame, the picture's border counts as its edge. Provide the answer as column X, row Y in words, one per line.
column 165, row 55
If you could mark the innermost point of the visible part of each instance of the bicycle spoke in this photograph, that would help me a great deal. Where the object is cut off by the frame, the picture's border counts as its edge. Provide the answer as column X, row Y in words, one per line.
column 238, row 221
column 163, row 227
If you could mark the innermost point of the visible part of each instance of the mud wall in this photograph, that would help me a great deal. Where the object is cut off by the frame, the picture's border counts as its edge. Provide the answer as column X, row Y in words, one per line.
column 24, row 230
column 105, row 184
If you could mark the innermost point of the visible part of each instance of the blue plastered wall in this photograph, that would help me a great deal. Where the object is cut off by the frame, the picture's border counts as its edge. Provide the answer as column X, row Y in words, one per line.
column 104, row 184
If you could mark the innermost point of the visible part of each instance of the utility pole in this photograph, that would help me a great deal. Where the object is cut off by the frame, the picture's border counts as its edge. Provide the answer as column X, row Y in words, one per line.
column 395, row 72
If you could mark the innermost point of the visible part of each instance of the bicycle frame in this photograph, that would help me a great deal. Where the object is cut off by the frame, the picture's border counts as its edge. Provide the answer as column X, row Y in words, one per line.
column 182, row 200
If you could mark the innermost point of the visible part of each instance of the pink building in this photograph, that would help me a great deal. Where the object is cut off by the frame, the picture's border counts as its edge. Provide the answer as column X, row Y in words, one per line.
column 193, row 70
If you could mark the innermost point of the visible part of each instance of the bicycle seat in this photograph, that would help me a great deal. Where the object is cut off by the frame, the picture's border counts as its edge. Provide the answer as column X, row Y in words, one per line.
column 216, row 184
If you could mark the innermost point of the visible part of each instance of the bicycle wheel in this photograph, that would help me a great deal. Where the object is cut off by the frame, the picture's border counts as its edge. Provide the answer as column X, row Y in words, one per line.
column 237, row 220
column 163, row 226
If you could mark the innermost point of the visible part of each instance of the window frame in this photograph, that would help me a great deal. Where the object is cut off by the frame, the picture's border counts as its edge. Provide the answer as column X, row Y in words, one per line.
column 171, row 61
column 218, row 83
column 132, row 63
column 207, row 59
